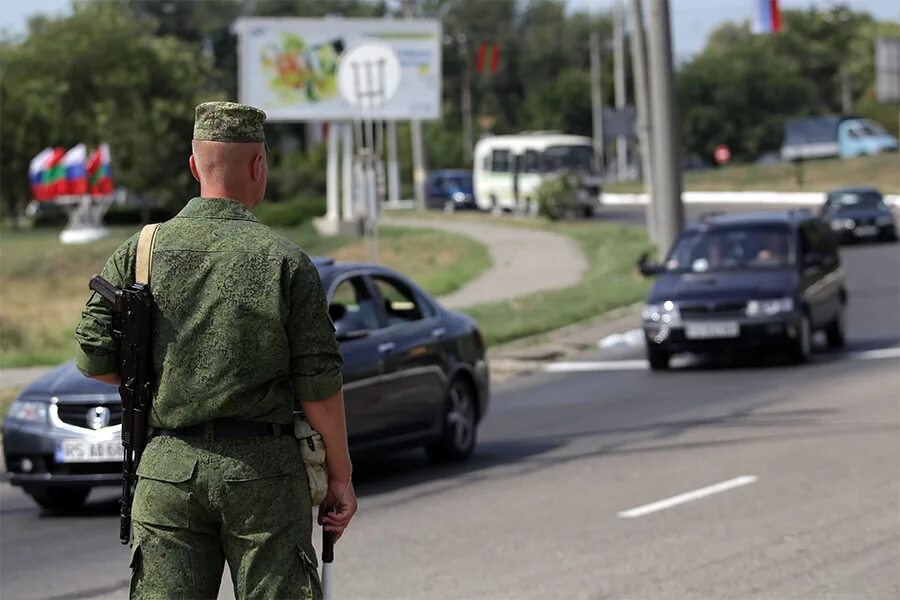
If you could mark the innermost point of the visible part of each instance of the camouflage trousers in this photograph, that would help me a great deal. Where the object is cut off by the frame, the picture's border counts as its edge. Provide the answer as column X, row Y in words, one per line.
column 201, row 503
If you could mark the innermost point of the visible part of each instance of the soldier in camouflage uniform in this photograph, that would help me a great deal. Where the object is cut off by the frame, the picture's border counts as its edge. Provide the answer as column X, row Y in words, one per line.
column 241, row 331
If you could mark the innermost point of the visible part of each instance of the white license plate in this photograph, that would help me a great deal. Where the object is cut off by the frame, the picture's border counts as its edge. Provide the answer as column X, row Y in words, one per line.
column 78, row 451
column 865, row 230
column 715, row 330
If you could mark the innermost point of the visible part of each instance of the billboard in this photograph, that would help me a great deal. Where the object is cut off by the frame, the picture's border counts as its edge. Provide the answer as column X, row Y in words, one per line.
column 336, row 69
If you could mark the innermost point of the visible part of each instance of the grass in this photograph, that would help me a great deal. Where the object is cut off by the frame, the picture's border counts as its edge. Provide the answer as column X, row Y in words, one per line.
column 881, row 171
column 609, row 282
column 6, row 399
column 43, row 284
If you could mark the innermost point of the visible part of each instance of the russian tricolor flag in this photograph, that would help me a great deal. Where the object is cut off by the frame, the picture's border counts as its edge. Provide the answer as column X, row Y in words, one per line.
column 766, row 16
column 36, row 169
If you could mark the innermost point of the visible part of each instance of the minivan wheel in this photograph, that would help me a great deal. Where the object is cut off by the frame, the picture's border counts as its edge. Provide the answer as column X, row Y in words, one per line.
column 802, row 346
column 60, row 498
column 658, row 359
column 458, row 437
column 834, row 333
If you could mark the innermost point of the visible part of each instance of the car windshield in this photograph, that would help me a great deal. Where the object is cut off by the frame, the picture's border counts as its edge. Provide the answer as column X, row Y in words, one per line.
column 463, row 183
column 573, row 158
column 845, row 201
column 731, row 248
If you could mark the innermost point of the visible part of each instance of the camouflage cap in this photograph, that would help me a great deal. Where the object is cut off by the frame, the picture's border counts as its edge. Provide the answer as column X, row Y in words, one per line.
column 229, row 122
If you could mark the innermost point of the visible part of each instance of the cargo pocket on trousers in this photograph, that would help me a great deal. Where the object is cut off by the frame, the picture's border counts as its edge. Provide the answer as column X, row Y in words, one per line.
column 312, row 574
column 261, row 496
column 136, row 564
column 162, row 496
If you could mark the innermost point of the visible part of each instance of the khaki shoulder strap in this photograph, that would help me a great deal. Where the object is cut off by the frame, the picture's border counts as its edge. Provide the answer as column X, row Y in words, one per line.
column 145, row 253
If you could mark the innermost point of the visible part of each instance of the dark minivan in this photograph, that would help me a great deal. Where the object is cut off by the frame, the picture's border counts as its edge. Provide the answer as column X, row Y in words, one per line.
column 746, row 281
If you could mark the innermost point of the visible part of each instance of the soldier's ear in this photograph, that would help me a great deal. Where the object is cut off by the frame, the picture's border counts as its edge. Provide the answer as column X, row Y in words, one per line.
column 194, row 170
column 258, row 167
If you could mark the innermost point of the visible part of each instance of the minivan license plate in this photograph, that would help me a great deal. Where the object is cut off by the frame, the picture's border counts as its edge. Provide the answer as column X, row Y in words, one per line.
column 705, row 331
column 80, row 451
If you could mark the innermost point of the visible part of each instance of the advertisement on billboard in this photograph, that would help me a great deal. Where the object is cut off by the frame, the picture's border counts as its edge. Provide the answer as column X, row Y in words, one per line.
column 341, row 69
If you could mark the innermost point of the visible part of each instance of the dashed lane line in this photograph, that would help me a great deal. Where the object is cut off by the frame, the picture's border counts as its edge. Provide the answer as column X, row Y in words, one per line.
column 686, row 497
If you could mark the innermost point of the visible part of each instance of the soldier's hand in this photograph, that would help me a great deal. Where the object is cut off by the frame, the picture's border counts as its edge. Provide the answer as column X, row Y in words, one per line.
column 342, row 497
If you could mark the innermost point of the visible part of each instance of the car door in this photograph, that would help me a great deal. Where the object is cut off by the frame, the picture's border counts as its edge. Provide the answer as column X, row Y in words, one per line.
column 355, row 314
column 820, row 280
column 414, row 357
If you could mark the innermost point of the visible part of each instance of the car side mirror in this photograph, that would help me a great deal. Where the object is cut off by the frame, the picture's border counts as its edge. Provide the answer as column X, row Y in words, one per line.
column 647, row 268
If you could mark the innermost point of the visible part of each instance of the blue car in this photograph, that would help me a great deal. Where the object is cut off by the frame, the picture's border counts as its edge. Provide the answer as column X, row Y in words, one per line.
column 450, row 190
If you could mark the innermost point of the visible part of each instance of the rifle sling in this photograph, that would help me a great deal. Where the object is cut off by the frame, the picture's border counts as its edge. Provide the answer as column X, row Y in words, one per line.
column 145, row 254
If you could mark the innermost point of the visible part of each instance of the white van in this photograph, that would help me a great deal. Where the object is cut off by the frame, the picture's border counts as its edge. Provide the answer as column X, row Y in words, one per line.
column 508, row 168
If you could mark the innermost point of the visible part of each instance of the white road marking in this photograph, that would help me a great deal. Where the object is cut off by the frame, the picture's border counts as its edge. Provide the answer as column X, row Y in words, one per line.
column 588, row 366
column 874, row 354
column 703, row 492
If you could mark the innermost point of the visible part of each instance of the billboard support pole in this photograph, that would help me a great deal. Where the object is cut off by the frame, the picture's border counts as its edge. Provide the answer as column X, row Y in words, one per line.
column 332, row 191
column 347, row 170
column 393, row 171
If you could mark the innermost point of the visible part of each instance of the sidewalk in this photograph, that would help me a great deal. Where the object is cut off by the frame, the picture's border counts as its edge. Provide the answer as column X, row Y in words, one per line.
column 524, row 260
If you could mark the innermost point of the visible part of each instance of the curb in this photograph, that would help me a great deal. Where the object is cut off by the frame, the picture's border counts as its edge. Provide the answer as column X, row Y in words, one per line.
column 527, row 355
column 765, row 198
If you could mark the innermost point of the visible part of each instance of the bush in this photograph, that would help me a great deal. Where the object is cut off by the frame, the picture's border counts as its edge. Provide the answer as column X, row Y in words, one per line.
column 291, row 213
column 557, row 197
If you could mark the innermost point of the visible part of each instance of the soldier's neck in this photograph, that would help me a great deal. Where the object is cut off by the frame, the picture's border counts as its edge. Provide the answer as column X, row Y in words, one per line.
column 215, row 191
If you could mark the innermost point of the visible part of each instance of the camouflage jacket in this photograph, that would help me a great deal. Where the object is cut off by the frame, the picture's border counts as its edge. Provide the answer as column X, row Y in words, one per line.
column 241, row 325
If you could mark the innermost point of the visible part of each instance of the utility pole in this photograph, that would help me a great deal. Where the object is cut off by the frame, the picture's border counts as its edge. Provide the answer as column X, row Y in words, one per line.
column 846, row 91
column 641, row 101
column 466, row 101
column 619, row 82
column 597, row 104
column 418, row 143
column 666, row 127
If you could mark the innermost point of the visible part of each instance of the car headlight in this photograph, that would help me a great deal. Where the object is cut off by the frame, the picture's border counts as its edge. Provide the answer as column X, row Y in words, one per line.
column 885, row 220
column 839, row 224
column 666, row 313
column 28, row 410
column 459, row 197
column 768, row 308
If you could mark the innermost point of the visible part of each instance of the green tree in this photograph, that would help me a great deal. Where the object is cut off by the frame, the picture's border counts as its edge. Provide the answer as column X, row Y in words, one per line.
column 100, row 75
column 738, row 92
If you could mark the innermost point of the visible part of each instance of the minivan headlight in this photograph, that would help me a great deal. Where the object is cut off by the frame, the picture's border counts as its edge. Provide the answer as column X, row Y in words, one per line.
column 769, row 308
column 666, row 312
column 30, row 411
column 884, row 220
column 459, row 196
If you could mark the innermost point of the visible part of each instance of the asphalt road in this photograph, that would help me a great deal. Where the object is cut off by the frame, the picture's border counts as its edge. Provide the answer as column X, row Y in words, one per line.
column 809, row 505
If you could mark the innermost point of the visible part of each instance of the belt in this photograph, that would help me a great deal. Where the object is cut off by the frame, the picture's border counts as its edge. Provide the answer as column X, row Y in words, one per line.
column 226, row 429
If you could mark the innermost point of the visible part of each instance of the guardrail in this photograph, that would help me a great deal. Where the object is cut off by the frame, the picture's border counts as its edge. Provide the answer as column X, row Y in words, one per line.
column 776, row 198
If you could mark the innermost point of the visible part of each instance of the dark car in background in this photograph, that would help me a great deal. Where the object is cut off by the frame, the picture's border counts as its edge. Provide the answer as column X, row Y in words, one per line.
column 859, row 213
column 746, row 281
column 450, row 190
column 415, row 374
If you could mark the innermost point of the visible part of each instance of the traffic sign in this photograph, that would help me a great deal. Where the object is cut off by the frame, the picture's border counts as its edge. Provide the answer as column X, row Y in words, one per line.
column 722, row 154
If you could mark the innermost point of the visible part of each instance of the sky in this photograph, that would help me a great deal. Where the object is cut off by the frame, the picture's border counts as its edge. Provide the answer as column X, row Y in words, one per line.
column 692, row 20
